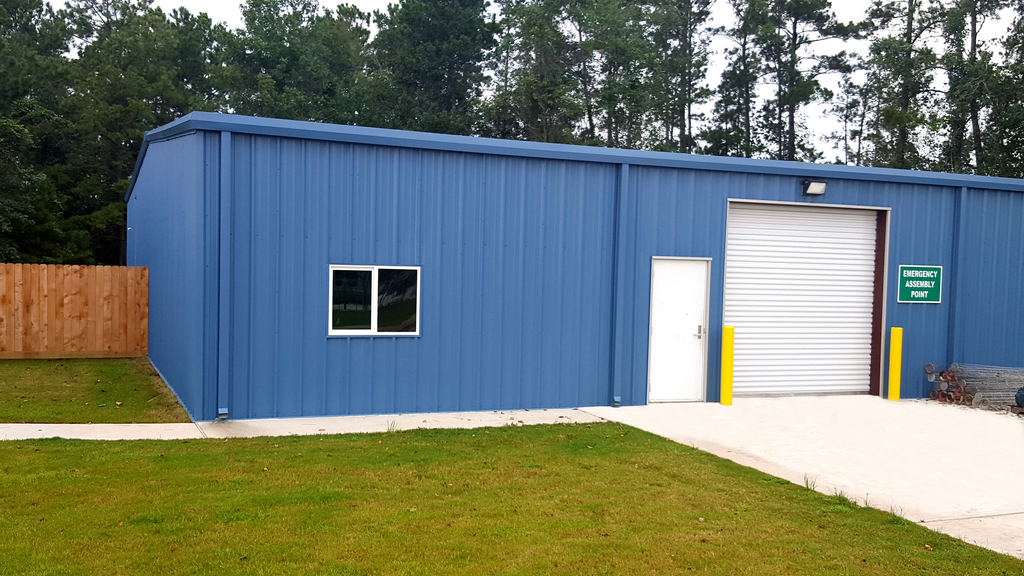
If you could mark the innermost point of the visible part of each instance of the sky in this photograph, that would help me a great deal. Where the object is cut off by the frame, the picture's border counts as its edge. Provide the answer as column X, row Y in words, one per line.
column 229, row 11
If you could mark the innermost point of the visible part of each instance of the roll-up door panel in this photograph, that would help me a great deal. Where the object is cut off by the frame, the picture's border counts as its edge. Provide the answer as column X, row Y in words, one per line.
column 799, row 288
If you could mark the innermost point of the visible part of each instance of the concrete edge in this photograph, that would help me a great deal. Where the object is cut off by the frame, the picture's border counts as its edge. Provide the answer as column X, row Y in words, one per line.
column 392, row 422
column 797, row 477
column 294, row 426
column 100, row 431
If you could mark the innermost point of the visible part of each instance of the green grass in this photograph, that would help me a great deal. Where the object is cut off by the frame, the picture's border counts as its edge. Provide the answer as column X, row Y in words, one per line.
column 557, row 499
column 94, row 390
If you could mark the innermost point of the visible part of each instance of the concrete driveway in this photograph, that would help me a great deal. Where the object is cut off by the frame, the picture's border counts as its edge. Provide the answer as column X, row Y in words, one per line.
column 952, row 469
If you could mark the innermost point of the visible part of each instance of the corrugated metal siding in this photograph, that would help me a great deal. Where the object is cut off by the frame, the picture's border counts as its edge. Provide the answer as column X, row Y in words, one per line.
column 518, row 285
column 990, row 295
column 168, row 220
column 669, row 212
column 920, row 232
column 665, row 212
column 516, row 266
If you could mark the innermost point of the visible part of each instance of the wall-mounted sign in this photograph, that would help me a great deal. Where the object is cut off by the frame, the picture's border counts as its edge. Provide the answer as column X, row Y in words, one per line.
column 920, row 284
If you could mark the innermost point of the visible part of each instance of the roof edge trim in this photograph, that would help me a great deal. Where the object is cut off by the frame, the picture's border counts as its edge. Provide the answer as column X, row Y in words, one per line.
column 469, row 144
column 179, row 127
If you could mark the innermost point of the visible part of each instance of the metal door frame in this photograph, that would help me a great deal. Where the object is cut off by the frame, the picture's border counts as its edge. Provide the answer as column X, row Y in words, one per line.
column 885, row 211
column 707, row 329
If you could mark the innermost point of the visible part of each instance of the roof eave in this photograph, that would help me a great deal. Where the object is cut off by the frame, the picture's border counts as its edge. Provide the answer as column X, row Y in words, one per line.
column 443, row 142
column 168, row 130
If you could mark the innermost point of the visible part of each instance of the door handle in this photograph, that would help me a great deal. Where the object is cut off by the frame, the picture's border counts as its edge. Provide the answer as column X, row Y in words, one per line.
column 699, row 333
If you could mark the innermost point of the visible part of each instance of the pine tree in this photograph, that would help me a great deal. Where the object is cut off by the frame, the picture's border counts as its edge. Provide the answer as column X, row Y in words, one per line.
column 33, row 43
column 623, row 59
column 1003, row 138
column 290, row 61
column 850, row 107
column 787, row 42
column 431, row 53
column 680, row 40
column 971, row 75
column 901, row 68
column 732, row 132
column 534, row 77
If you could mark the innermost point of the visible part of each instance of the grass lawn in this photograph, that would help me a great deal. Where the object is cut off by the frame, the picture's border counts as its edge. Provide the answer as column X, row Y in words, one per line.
column 556, row 499
column 93, row 390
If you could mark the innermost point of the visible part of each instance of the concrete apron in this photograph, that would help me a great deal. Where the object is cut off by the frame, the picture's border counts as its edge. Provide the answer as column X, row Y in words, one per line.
column 956, row 470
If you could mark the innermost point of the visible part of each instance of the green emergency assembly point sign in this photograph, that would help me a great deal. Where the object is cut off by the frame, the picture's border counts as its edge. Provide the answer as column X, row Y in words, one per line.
column 920, row 284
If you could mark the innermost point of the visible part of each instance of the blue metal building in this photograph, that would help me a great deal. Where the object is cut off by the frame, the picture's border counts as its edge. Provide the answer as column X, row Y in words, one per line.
column 301, row 269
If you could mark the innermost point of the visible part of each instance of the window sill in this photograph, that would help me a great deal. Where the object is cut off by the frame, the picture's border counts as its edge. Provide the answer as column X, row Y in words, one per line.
column 343, row 336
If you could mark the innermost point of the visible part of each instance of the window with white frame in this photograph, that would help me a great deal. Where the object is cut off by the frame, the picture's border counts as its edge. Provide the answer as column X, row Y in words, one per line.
column 374, row 300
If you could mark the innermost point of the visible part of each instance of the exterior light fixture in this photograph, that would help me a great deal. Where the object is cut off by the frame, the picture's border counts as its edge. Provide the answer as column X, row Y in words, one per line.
column 812, row 188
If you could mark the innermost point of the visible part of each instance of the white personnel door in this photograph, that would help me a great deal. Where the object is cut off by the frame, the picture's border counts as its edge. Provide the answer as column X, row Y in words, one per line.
column 679, row 299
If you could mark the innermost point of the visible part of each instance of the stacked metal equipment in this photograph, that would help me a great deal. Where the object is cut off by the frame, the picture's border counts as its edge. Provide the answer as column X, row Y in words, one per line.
column 977, row 385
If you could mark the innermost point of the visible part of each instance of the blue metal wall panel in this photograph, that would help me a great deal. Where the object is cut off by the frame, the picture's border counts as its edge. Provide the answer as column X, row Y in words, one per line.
column 684, row 213
column 168, row 219
column 515, row 284
column 525, row 262
column 920, row 232
column 991, row 322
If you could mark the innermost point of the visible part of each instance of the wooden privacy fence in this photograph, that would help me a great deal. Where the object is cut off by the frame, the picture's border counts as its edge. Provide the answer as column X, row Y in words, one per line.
column 49, row 311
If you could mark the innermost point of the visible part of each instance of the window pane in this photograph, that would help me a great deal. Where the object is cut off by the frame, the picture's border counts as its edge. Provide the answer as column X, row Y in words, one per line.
column 350, row 299
column 396, row 300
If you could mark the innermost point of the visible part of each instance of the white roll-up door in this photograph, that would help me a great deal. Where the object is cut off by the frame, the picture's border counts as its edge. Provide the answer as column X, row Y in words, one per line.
column 799, row 287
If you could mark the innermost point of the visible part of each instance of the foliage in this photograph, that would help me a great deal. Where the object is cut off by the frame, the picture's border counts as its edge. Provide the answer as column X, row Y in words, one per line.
column 84, row 82
column 16, row 187
column 971, row 74
column 791, row 28
column 1004, row 140
column 429, row 55
column 33, row 40
column 535, row 66
column 851, row 108
column 901, row 70
column 291, row 62
column 551, row 499
column 680, row 40
column 733, row 132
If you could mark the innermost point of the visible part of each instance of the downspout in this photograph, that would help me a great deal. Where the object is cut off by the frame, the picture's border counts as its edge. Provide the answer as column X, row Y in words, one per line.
column 618, row 289
column 224, row 281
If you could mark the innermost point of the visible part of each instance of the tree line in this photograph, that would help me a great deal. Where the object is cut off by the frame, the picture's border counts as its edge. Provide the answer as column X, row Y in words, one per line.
column 81, row 83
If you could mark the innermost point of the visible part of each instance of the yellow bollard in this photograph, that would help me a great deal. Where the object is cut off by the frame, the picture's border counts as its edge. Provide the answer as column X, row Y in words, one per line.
column 895, row 363
column 728, row 345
